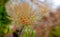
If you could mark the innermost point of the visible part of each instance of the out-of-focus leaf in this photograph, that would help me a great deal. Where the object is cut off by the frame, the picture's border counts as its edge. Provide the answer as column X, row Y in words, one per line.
column 4, row 20
column 55, row 32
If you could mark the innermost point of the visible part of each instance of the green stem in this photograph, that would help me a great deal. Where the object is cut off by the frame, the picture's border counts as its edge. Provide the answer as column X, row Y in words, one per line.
column 33, row 34
column 27, row 31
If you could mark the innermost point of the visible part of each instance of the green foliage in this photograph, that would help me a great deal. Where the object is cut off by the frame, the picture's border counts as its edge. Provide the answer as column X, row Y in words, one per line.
column 55, row 32
column 4, row 20
column 3, row 2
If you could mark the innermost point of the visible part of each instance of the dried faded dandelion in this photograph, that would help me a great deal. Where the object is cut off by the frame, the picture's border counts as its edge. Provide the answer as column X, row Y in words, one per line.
column 29, row 13
column 26, row 11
